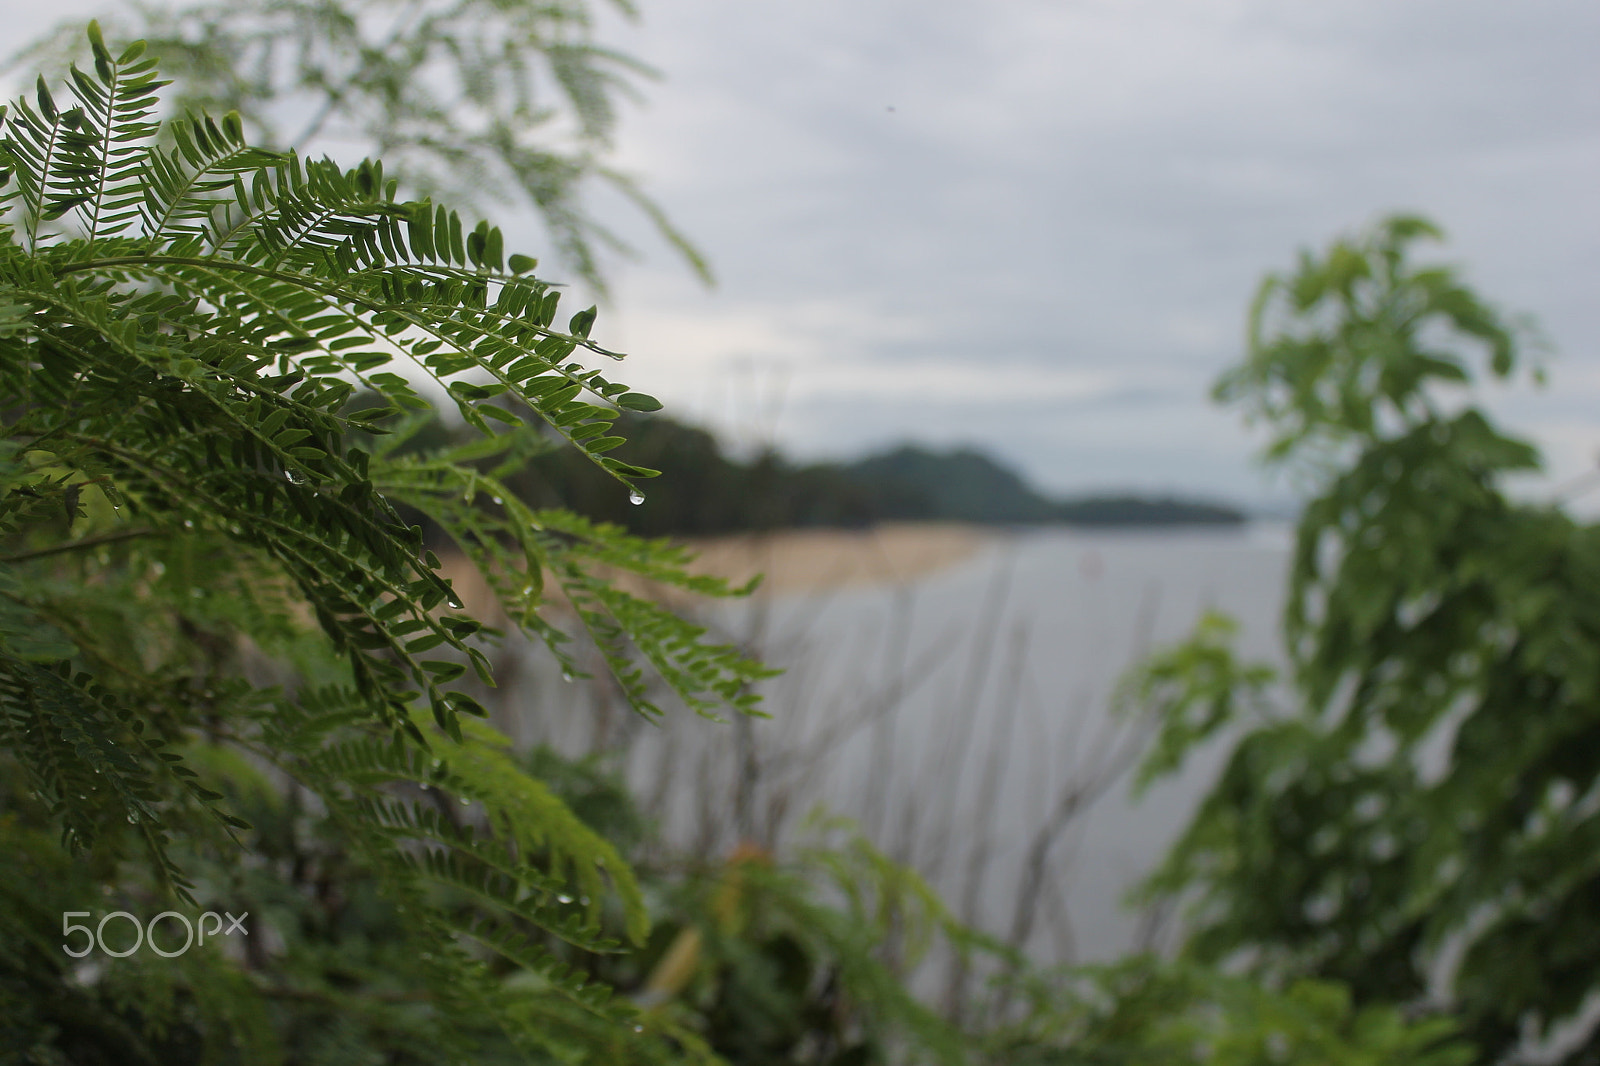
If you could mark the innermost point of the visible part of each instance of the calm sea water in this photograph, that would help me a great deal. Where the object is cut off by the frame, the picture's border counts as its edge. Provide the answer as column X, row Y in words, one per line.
column 964, row 720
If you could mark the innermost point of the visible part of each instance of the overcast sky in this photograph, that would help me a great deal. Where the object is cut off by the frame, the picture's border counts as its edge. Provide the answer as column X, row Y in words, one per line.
column 1035, row 226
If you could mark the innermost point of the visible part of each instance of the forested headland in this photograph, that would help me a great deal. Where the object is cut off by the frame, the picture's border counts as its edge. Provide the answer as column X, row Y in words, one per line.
column 705, row 491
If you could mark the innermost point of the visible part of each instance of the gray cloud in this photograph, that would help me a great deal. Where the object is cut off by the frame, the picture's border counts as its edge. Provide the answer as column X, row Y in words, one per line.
column 1089, row 192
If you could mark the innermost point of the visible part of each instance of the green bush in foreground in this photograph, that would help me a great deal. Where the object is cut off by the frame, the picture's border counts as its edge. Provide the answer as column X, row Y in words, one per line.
column 208, row 606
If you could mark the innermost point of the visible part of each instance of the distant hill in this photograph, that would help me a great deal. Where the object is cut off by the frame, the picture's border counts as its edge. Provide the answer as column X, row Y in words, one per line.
column 1145, row 511
column 703, row 491
column 968, row 486
column 961, row 485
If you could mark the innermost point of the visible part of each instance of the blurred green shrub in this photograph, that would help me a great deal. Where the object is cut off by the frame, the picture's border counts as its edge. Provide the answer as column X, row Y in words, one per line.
column 1420, row 822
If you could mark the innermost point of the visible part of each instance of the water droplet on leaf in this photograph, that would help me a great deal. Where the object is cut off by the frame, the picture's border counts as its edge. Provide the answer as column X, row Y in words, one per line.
column 635, row 497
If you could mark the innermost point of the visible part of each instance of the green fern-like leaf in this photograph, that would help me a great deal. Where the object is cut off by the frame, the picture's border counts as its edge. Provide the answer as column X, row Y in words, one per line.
column 203, row 562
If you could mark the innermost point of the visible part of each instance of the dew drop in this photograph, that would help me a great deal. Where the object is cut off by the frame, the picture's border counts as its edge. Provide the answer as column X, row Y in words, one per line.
column 563, row 898
column 635, row 497
column 638, row 1028
column 456, row 603
column 466, row 801
column 566, row 675
column 497, row 499
column 188, row 523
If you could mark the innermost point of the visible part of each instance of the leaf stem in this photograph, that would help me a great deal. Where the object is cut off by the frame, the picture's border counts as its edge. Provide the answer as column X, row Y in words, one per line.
column 86, row 542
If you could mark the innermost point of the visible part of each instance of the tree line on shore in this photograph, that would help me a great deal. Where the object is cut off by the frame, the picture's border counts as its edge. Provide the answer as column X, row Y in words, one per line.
column 705, row 491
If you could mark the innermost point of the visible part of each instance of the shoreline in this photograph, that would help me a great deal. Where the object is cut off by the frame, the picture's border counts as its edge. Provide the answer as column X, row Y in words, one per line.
column 809, row 560
column 802, row 561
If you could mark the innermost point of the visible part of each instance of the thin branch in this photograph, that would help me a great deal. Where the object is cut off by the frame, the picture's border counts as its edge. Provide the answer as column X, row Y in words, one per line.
column 86, row 542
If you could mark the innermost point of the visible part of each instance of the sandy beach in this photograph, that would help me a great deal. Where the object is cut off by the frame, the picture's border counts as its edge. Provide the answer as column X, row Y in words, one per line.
column 791, row 561
column 808, row 560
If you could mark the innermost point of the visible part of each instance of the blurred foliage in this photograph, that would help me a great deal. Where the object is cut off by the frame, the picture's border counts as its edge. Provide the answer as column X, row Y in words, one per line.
column 510, row 101
column 1143, row 1013
column 804, row 959
column 1421, row 824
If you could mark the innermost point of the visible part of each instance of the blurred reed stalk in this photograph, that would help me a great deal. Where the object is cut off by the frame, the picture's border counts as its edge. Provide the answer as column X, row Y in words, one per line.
column 712, row 786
